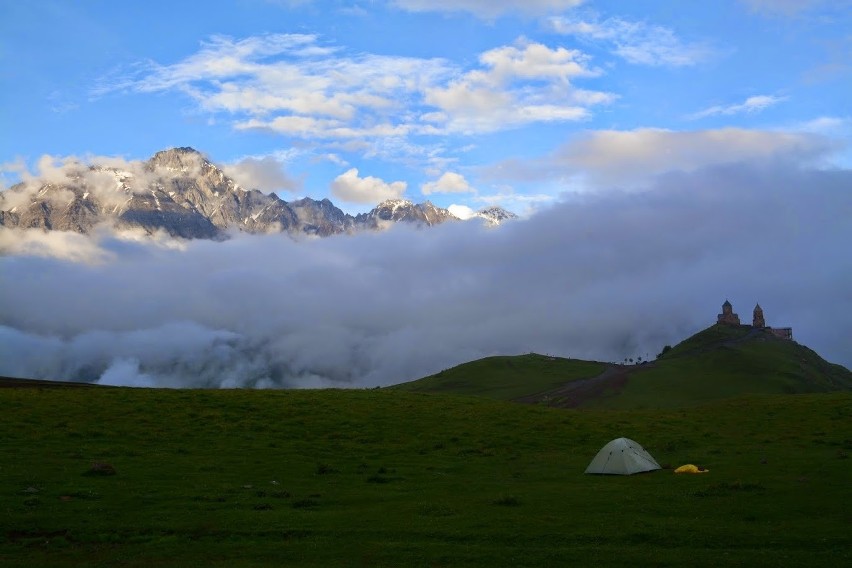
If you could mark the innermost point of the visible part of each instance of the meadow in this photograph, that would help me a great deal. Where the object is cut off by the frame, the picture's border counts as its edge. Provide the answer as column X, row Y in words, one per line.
column 389, row 478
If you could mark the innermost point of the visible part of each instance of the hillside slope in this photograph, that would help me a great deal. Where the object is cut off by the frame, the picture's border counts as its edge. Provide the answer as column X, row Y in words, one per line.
column 724, row 361
column 716, row 363
column 506, row 377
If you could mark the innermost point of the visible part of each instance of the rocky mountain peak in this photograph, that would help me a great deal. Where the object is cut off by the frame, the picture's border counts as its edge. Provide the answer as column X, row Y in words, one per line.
column 182, row 159
column 181, row 192
column 495, row 215
column 394, row 204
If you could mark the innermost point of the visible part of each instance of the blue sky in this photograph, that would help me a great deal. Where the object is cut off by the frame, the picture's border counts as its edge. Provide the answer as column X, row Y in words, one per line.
column 466, row 102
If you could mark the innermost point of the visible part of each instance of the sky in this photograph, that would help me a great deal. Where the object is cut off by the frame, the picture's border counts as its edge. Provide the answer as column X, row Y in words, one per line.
column 664, row 156
column 460, row 102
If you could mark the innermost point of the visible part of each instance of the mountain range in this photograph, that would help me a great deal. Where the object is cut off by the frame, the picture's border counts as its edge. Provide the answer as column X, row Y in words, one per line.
column 181, row 192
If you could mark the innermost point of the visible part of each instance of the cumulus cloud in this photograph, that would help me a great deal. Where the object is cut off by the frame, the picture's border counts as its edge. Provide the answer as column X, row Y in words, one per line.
column 630, row 158
column 603, row 276
column 449, row 182
column 348, row 186
column 266, row 174
column 489, row 9
column 751, row 105
column 461, row 211
column 636, row 42
column 293, row 85
column 501, row 94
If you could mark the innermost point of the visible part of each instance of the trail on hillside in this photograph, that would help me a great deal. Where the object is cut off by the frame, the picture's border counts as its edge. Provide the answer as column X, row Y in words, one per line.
column 576, row 393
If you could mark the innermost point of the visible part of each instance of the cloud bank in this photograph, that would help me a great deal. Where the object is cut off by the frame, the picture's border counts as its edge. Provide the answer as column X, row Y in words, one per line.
column 599, row 276
column 634, row 158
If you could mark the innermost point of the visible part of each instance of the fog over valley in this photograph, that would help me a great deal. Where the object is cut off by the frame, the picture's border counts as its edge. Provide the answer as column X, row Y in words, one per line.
column 600, row 275
column 350, row 193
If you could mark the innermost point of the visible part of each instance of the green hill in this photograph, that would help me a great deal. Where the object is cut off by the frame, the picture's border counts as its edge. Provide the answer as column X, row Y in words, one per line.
column 724, row 361
column 506, row 377
column 250, row 478
column 719, row 362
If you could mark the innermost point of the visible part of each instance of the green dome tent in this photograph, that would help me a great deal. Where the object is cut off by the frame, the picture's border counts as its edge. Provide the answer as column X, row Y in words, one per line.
column 622, row 456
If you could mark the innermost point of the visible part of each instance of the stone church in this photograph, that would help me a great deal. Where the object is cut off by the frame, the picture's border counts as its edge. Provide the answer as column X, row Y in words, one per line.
column 728, row 317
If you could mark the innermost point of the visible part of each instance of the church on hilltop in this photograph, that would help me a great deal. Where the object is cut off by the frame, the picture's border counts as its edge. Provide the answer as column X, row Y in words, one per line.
column 728, row 317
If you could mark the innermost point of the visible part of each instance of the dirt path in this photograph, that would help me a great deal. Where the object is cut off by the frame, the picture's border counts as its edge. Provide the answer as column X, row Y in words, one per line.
column 576, row 393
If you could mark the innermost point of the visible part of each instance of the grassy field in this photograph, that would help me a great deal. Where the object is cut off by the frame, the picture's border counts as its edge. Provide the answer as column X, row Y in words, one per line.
column 389, row 478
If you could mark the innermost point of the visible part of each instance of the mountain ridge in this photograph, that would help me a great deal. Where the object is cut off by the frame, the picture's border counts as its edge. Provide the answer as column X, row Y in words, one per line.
column 180, row 191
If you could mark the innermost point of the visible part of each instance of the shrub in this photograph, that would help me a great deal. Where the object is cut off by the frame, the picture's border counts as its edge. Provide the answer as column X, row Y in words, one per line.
column 507, row 501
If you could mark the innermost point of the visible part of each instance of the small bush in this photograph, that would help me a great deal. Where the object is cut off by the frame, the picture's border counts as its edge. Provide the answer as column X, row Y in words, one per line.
column 507, row 501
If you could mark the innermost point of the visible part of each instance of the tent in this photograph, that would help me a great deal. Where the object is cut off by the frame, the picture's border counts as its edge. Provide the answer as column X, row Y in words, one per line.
column 622, row 456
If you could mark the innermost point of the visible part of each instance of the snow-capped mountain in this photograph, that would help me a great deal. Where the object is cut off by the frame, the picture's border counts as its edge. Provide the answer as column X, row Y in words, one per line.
column 181, row 192
column 396, row 210
column 495, row 215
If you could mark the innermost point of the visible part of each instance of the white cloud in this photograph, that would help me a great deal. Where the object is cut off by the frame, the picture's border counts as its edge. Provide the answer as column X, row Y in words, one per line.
column 828, row 125
column 630, row 158
column 449, row 182
column 518, row 84
column 636, row 42
column 292, row 85
column 461, row 211
column 306, row 127
column 753, row 104
column 52, row 244
column 265, row 174
column 349, row 187
column 489, row 9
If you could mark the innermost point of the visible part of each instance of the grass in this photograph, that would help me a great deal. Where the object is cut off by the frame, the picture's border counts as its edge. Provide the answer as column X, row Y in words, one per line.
column 390, row 478
column 725, row 361
column 506, row 377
